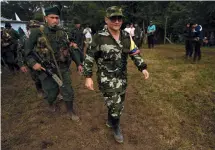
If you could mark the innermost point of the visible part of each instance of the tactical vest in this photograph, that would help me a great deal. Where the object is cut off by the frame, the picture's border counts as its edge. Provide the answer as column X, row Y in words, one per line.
column 56, row 42
column 6, row 38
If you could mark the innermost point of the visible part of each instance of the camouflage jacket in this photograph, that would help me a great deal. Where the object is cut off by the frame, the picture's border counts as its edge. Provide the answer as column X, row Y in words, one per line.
column 58, row 41
column 20, row 51
column 111, row 59
column 9, row 36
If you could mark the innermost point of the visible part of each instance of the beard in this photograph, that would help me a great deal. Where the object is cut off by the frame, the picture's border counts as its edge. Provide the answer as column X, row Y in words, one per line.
column 54, row 25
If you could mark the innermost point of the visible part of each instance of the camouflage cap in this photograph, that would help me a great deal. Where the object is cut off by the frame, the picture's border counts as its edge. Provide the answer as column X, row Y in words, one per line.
column 33, row 24
column 113, row 11
column 52, row 10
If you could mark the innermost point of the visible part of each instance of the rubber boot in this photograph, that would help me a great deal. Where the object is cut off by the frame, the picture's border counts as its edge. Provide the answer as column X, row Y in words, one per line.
column 70, row 111
column 116, row 130
column 109, row 122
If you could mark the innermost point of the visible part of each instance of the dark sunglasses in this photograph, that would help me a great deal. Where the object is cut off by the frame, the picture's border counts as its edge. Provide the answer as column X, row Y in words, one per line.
column 115, row 18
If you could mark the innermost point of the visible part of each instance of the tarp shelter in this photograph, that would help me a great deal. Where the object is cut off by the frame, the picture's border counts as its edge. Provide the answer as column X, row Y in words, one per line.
column 15, row 24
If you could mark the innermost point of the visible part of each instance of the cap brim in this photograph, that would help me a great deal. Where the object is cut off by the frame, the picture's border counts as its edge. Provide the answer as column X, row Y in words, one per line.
column 116, row 14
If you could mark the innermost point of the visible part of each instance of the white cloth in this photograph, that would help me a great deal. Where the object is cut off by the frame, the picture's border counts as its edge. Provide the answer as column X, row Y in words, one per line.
column 28, row 33
column 132, row 31
column 127, row 30
column 87, row 33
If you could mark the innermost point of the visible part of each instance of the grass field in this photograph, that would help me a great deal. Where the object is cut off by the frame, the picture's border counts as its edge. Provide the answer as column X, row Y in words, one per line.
column 173, row 110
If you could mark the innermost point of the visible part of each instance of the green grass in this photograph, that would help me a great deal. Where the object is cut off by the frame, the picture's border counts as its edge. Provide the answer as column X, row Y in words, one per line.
column 182, row 92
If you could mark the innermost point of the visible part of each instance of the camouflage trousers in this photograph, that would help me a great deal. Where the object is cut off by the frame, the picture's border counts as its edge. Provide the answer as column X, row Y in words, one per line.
column 51, row 88
column 36, row 80
column 114, row 102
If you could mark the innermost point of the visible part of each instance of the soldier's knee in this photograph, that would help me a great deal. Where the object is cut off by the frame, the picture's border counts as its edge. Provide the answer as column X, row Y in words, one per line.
column 116, row 110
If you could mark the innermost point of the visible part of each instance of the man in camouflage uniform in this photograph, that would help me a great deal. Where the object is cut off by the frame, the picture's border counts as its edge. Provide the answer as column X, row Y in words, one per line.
column 110, row 50
column 32, row 24
column 9, row 42
column 77, row 38
column 52, row 45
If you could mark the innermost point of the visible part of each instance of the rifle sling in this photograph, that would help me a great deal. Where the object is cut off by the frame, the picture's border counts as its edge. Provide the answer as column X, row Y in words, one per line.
column 52, row 52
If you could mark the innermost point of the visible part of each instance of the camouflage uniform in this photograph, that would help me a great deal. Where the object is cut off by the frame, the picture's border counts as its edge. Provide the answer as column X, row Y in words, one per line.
column 77, row 37
column 59, row 43
column 9, row 41
column 111, row 59
column 21, row 58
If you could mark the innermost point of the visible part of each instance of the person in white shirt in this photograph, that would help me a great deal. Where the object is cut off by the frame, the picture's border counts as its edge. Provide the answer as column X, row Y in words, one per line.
column 132, row 29
column 127, row 29
column 88, row 37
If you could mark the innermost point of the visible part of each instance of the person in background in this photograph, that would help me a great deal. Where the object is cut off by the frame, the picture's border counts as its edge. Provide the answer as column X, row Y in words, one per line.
column 188, row 41
column 88, row 38
column 197, row 41
column 150, row 33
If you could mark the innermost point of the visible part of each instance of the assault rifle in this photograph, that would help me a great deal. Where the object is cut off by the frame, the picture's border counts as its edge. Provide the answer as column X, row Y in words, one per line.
column 48, row 68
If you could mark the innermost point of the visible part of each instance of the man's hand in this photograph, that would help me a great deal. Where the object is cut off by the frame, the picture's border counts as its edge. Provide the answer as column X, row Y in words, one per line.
column 38, row 67
column 89, row 83
column 80, row 69
column 24, row 69
column 145, row 73
column 72, row 44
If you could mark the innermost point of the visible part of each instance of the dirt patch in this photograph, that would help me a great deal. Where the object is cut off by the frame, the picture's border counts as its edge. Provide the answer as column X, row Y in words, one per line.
column 162, row 113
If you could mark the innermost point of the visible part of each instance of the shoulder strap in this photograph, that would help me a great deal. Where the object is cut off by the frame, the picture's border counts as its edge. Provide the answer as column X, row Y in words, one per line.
column 52, row 52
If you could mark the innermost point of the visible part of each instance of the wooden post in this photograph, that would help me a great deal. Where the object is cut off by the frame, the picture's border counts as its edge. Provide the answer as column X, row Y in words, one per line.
column 164, row 41
column 144, row 32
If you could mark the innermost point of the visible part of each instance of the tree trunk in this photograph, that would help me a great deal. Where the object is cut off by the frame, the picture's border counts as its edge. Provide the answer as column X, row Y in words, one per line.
column 164, row 41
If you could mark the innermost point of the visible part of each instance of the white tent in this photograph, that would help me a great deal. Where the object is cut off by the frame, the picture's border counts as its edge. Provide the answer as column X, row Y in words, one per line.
column 14, row 23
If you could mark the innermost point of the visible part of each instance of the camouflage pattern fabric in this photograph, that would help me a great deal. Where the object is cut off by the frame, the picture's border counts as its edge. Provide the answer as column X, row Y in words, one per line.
column 9, row 43
column 20, row 51
column 22, row 41
column 111, row 59
column 114, row 11
column 114, row 102
column 33, row 24
column 63, row 53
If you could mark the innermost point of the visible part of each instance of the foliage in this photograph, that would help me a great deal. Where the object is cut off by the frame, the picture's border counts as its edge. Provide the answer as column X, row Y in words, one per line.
column 92, row 13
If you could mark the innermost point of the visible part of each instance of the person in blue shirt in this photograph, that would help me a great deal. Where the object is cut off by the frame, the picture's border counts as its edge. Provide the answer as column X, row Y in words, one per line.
column 150, row 33
column 197, row 40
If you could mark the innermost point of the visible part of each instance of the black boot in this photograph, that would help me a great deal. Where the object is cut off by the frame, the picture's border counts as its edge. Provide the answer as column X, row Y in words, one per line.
column 116, row 130
column 109, row 121
column 40, row 93
column 53, row 107
column 71, row 113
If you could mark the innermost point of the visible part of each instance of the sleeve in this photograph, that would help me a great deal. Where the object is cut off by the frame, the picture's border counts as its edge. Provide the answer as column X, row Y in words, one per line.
column 20, row 51
column 136, row 57
column 71, row 35
column 30, row 44
column 16, row 34
column 91, row 55
column 75, row 53
column 76, row 56
column 154, row 28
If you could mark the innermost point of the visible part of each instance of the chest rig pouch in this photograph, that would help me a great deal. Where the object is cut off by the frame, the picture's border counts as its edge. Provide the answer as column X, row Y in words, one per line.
column 6, row 38
column 58, row 43
column 62, row 44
